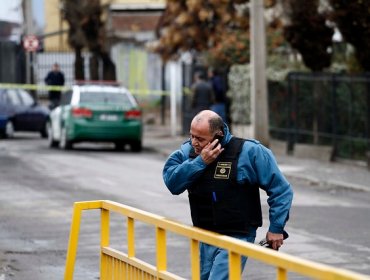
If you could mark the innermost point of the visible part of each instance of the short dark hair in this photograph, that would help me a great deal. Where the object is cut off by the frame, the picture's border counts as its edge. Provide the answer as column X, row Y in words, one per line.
column 215, row 124
column 200, row 75
column 215, row 71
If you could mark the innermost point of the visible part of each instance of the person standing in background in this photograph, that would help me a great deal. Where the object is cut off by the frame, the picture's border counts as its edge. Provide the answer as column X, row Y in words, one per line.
column 219, row 90
column 202, row 94
column 54, row 78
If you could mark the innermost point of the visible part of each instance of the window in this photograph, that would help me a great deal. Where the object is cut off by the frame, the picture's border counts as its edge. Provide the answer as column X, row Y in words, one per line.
column 13, row 97
column 66, row 97
column 3, row 97
column 105, row 97
column 25, row 98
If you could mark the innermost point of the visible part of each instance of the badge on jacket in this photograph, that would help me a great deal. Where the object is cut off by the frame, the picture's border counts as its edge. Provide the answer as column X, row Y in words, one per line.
column 223, row 170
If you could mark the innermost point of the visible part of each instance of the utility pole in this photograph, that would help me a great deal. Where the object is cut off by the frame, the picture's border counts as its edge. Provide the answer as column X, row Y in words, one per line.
column 259, row 104
column 173, row 113
column 28, row 30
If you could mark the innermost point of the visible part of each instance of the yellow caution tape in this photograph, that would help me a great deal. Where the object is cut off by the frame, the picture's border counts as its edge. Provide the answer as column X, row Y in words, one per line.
column 142, row 92
column 34, row 87
column 139, row 92
column 187, row 90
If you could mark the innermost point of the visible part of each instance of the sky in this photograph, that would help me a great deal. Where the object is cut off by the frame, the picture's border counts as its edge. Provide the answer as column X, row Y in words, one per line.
column 38, row 11
column 11, row 10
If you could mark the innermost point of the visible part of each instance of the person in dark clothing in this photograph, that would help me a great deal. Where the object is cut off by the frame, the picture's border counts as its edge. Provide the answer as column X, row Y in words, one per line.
column 219, row 90
column 202, row 94
column 54, row 78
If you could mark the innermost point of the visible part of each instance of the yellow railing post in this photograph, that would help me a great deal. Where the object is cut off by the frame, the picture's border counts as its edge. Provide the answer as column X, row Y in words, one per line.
column 104, row 241
column 161, row 249
column 235, row 269
column 73, row 242
column 194, row 257
column 281, row 274
column 130, row 237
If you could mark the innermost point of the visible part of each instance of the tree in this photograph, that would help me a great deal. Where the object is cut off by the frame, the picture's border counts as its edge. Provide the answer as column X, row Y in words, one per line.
column 353, row 21
column 195, row 25
column 218, row 29
column 308, row 33
column 87, row 30
column 73, row 13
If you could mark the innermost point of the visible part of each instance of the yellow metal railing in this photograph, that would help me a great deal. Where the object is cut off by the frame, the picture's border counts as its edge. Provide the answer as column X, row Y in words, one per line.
column 119, row 265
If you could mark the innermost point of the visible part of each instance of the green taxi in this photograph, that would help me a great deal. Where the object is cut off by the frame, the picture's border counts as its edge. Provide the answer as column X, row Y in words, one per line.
column 96, row 113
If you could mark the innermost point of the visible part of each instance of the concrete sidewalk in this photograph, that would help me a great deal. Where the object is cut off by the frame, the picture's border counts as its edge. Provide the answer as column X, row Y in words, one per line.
column 346, row 175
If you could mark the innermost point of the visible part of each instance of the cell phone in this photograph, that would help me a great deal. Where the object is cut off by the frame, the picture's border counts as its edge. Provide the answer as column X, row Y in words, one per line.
column 219, row 137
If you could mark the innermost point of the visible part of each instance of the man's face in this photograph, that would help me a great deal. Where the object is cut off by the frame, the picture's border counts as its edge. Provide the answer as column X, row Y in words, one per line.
column 200, row 135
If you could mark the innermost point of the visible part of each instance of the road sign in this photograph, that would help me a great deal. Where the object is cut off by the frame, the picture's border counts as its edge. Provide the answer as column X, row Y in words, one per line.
column 30, row 43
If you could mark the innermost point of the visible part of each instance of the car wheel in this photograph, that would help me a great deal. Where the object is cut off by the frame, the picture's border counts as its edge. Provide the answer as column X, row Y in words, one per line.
column 64, row 143
column 52, row 143
column 119, row 146
column 136, row 146
column 9, row 130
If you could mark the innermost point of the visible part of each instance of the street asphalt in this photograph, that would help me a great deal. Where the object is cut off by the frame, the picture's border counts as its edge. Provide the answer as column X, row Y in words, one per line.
column 350, row 175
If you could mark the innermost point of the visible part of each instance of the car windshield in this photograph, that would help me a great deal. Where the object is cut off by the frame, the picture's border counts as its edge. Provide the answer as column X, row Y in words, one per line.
column 104, row 97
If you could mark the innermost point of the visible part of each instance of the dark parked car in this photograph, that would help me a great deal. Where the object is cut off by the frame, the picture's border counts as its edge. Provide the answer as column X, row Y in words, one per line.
column 20, row 112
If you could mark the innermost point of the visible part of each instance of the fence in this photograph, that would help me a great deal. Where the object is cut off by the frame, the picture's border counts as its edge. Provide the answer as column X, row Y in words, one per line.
column 323, row 108
column 115, row 264
column 13, row 63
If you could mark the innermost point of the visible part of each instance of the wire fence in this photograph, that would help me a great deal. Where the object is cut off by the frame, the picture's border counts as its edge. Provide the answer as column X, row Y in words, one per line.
column 323, row 109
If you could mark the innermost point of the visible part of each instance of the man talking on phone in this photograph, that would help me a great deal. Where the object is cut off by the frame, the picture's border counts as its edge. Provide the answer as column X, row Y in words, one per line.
column 223, row 175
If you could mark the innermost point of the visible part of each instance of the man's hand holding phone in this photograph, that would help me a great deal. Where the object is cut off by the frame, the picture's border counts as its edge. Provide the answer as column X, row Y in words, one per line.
column 212, row 150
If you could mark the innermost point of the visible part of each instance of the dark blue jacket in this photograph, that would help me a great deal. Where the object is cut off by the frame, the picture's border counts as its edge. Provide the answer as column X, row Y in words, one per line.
column 55, row 78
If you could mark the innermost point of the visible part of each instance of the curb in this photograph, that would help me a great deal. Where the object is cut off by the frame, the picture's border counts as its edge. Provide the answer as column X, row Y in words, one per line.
column 330, row 183
column 349, row 186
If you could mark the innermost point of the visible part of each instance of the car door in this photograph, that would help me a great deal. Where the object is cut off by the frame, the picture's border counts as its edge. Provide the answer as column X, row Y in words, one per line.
column 4, row 103
column 4, row 110
column 16, row 111
column 34, row 120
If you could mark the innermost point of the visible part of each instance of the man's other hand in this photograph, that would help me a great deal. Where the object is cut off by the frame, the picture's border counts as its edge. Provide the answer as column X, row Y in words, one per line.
column 275, row 240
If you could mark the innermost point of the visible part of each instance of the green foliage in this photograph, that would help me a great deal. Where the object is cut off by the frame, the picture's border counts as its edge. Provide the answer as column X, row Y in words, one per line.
column 239, row 86
column 239, row 93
